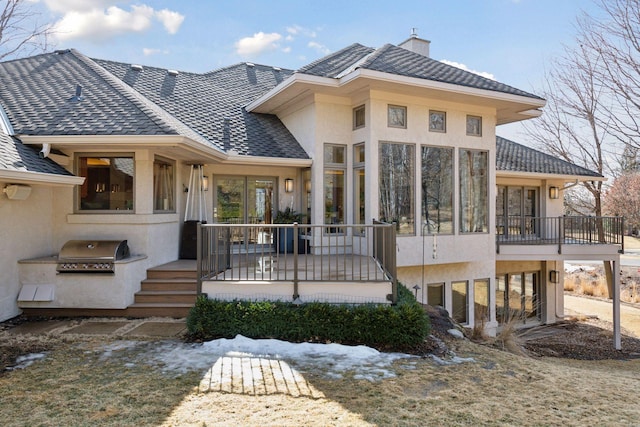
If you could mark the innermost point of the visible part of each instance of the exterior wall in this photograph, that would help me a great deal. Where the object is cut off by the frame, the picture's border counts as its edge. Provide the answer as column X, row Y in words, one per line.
column 26, row 231
column 448, row 273
column 340, row 292
column 78, row 290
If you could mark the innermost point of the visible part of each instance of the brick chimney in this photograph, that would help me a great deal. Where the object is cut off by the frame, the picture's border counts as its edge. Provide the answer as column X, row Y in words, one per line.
column 416, row 44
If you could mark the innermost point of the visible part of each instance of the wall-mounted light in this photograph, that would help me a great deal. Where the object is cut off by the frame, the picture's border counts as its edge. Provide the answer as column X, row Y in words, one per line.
column 554, row 192
column 307, row 185
column 17, row 191
column 288, row 185
column 205, row 183
column 553, row 276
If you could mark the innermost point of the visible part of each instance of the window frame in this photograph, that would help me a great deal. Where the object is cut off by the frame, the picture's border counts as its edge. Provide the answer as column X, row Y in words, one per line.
column 461, row 205
column 171, row 187
column 398, row 121
column 434, row 127
column 471, row 129
column 452, row 190
column 334, row 168
column 358, row 187
column 356, row 114
column 84, row 187
column 411, row 182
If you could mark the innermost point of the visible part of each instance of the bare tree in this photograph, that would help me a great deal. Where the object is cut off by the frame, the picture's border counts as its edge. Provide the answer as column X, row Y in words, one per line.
column 20, row 31
column 615, row 40
column 576, row 127
column 623, row 199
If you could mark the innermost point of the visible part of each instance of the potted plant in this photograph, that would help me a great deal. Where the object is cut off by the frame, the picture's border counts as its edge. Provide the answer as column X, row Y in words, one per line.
column 284, row 239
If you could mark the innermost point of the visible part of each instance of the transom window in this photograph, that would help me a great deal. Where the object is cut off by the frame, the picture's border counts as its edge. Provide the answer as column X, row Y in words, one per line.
column 108, row 184
column 358, row 117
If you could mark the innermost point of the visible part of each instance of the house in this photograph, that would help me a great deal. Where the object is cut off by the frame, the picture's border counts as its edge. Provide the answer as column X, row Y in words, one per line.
column 119, row 151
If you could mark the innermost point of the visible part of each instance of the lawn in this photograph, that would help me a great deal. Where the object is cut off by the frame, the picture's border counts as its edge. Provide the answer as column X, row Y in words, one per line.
column 89, row 381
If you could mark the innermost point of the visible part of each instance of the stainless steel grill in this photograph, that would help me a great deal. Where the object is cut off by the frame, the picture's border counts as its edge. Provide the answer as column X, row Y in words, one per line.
column 91, row 256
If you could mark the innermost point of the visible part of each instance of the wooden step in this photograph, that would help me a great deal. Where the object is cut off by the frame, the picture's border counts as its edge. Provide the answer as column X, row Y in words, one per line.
column 166, row 297
column 175, row 310
column 162, row 273
column 181, row 284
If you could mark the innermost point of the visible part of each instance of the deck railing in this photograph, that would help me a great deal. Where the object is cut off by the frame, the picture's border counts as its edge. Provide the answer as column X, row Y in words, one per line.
column 563, row 230
column 297, row 253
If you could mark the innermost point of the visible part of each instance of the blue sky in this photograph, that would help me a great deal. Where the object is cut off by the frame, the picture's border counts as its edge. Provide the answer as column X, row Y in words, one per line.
column 510, row 40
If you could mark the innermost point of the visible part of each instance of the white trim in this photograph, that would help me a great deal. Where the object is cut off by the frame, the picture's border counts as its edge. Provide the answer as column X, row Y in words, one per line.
column 5, row 124
column 539, row 175
column 49, row 179
column 235, row 159
column 127, row 218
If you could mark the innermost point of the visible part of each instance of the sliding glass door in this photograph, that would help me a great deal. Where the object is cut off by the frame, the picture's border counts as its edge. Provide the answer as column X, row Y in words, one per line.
column 245, row 200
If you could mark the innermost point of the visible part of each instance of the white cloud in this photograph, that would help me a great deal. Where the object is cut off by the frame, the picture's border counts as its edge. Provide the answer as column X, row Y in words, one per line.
column 170, row 19
column 295, row 30
column 319, row 47
column 146, row 51
column 258, row 43
column 98, row 21
column 464, row 67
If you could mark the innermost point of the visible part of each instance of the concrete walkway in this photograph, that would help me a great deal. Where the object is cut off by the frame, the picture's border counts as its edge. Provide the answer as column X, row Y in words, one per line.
column 124, row 328
column 603, row 309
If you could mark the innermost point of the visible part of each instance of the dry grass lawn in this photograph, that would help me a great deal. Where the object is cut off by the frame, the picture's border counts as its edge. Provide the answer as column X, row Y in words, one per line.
column 77, row 385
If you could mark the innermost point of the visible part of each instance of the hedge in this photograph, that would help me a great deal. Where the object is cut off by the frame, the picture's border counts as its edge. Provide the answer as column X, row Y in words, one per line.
column 402, row 325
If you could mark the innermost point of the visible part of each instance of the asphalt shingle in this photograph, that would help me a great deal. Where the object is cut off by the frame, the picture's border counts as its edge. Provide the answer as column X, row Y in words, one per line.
column 15, row 156
column 514, row 157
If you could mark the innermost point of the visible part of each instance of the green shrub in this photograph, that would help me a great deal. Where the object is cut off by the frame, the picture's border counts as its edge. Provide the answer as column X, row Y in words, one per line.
column 397, row 326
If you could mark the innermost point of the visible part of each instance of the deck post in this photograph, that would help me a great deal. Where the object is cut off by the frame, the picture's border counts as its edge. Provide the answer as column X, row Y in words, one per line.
column 199, row 257
column 617, row 344
column 296, row 294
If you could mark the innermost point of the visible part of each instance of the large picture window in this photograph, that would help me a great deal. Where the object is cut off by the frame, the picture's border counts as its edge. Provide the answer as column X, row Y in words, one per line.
column 397, row 185
column 335, row 163
column 437, row 190
column 108, row 184
column 474, row 189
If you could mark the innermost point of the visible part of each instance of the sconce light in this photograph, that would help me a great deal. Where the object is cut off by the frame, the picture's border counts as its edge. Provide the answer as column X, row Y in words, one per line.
column 307, row 185
column 17, row 191
column 288, row 185
column 205, row 183
column 554, row 192
column 553, row 276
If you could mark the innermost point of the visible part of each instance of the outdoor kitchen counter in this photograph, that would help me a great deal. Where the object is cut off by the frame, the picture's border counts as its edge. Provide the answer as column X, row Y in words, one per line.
column 43, row 287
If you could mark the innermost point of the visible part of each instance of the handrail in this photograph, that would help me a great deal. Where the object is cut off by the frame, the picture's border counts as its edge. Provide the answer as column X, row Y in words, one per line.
column 562, row 230
column 297, row 253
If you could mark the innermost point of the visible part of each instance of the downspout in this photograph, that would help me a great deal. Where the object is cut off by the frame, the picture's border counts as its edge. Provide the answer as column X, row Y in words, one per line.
column 46, row 149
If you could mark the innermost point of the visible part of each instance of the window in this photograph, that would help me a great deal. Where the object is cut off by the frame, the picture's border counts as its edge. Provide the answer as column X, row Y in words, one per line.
column 474, row 125
column 335, row 164
column 437, row 190
column 358, row 184
column 396, row 185
column 481, row 300
column 163, row 186
column 437, row 121
column 435, row 294
column 474, row 189
column 397, row 116
column 358, row 117
column 108, row 185
column 517, row 297
column 516, row 211
column 459, row 303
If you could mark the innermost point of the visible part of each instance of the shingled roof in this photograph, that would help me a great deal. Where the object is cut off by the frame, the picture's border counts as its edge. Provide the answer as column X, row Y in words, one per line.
column 213, row 103
column 399, row 61
column 39, row 95
column 15, row 156
column 514, row 157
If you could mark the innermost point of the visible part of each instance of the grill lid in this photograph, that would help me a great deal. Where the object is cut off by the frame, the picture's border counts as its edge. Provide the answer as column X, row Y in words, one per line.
column 82, row 250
